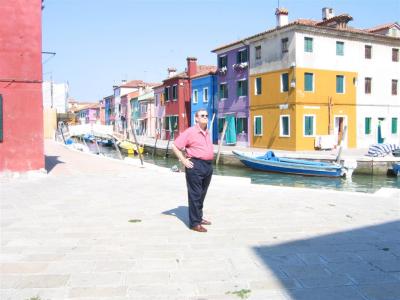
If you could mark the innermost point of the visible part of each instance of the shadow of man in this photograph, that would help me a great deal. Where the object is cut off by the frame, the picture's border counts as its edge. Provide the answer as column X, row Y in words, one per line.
column 181, row 212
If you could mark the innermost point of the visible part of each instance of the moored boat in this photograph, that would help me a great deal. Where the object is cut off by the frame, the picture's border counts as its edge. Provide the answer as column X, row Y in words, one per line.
column 271, row 163
column 396, row 169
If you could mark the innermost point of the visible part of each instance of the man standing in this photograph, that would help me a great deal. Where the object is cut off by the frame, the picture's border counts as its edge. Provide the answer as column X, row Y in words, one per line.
column 196, row 141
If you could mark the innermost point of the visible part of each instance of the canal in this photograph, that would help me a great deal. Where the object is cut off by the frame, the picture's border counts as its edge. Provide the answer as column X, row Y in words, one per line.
column 359, row 182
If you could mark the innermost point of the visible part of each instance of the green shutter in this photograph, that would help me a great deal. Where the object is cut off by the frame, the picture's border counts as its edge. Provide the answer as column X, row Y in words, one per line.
column 257, row 129
column 285, row 82
column 339, row 48
column 244, row 88
column 239, row 125
column 285, row 125
column 308, row 44
column 1, row 118
column 339, row 84
column 244, row 58
column 308, row 82
column 258, row 86
column 394, row 125
column 308, row 124
column 367, row 125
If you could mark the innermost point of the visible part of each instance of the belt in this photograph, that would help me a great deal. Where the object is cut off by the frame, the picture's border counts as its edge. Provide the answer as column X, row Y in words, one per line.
column 204, row 160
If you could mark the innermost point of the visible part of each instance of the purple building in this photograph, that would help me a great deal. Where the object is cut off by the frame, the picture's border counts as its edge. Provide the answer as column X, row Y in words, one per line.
column 233, row 92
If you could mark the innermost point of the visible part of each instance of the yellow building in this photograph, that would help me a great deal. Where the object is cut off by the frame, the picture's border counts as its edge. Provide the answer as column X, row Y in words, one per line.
column 290, row 108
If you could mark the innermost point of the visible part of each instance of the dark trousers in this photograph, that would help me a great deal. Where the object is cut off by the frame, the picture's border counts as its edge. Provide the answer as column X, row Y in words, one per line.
column 197, row 180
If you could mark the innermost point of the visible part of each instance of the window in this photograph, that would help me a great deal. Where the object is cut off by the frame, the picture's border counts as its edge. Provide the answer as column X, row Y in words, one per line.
column 285, row 43
column 258, row 88
column 221, row 122
column 367, row 127
column 205, row 95
column 223, row 91
column 394, row 86
column 308, row 82
column 258, row 126
column 368, row 52
column 308, row 44
column 340, row 84
column 166, row 93
column 284, row 82
column 395, row 54
column 171, row 123
column 195, row 96
column 309, row 125
column 174, row 93
column 241, row 125
column 241, row 88
column 258, row 52
column 340, row 48
column 284, row 128
column 394, row 125
column 241, row 56
column 368, row 82
column 222, row 61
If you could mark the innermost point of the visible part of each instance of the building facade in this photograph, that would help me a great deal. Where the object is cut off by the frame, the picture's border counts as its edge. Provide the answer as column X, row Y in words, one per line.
column 21, row 101
column 233, row 89
column 322, row 82
column 204, row 96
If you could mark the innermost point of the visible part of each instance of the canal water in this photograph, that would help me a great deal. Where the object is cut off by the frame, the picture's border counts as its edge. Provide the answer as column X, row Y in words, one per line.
column 359, row 183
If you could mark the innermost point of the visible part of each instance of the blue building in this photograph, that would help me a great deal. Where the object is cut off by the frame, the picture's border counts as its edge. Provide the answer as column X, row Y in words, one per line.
column 109, row 110
column 204, row 96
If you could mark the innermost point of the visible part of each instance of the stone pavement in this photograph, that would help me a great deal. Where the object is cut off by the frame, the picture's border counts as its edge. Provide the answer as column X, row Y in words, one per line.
column 97, row 228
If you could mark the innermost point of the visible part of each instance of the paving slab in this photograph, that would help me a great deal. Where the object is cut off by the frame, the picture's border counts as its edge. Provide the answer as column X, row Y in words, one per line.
column 98, row 228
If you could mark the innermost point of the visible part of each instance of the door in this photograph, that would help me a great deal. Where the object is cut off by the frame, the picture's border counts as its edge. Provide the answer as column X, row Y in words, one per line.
column 340, row 136
column 230, row 135
column 381, row 130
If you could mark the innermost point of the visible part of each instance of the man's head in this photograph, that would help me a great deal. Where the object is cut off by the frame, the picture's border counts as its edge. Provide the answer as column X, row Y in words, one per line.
column 201, row 117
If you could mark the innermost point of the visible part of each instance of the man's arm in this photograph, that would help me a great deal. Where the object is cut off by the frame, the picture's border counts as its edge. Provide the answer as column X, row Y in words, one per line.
column 185, row 161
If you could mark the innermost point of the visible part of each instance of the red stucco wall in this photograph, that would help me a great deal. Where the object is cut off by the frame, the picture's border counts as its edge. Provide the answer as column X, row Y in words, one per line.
column 20, row 85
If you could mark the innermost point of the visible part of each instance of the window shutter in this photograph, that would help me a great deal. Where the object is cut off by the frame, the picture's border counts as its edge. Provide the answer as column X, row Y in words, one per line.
column 308, row 125
column 244, row 88
column 308, row 82
column 285, row 82
column 394, row 125
column 367, row 126
column 339, row 84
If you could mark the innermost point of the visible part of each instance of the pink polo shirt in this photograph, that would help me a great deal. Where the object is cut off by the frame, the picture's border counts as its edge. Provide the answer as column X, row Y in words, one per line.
column 196, row 142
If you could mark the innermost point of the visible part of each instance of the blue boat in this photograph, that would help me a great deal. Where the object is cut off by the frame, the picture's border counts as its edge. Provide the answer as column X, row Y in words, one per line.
column 270, row 163
column 396, row 169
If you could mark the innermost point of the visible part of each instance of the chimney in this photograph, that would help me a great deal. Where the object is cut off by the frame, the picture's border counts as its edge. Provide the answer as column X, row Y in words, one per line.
column 327, row 13
column 282, row 17
column 191, row 66
column 171, row 72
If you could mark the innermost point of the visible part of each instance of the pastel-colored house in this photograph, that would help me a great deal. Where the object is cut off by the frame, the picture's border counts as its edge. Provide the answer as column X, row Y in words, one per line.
column 204, row 96
column 233, row 98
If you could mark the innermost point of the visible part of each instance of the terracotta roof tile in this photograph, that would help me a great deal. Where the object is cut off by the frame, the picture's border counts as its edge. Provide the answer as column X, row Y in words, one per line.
column 382, row 27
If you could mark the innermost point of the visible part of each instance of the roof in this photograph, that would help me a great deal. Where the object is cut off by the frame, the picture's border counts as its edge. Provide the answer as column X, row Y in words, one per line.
column 343, row 18
column 201, row 71
column 383, row 27
column 207, row 71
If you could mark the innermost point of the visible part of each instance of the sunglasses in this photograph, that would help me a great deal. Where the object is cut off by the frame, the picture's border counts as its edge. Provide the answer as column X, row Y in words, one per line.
column 203, row 116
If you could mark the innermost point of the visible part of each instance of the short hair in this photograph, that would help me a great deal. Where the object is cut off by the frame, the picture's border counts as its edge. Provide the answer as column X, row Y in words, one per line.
column 197, row 112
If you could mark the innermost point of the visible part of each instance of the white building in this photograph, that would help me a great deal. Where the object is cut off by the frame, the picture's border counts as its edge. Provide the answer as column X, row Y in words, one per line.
column 55, row 95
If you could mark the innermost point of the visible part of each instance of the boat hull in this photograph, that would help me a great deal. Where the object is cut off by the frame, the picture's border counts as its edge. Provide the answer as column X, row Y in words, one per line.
column 291, row 166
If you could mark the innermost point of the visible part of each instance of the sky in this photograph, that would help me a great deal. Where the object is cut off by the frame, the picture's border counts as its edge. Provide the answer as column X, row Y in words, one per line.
column 99, row 43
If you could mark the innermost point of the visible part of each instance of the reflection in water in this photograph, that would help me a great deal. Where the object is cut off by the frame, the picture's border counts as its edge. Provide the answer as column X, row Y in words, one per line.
column 359, row 183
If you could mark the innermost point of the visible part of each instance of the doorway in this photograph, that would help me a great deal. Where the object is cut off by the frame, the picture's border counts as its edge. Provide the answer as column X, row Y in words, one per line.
column 340, row 135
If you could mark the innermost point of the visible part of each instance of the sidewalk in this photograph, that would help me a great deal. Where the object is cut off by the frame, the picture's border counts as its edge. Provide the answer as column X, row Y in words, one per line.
column 96, row 228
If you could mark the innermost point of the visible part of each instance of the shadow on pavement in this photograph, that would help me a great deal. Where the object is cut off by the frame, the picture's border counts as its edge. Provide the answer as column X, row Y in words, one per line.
column 181, row 212
column 357, row 264
column 50, row 162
